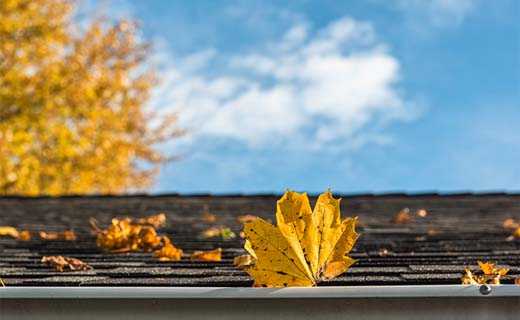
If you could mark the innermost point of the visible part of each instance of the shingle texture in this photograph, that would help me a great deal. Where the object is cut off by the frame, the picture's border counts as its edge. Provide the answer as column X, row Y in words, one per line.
column 470, row 229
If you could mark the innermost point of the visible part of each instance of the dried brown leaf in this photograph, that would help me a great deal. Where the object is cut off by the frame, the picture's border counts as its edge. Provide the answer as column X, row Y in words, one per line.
column 168, row 252
column 123, row 236
column 212, row 255
column 433, row 232
column 244, row 261
column 68, row 235
column 403, row 217
column 25, row 235
column 154, row 221
column 60, row 262
column 9, row 231
column 510, row 223
column 209, row 217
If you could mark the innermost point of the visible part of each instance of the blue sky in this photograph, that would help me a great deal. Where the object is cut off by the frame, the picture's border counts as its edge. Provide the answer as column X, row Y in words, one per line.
column 358, row 96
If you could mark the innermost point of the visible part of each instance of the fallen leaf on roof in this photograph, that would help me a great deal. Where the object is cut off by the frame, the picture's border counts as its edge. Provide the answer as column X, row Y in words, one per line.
column 2, row 283
column 9, row 231
column 212, row 255
column 305, row 247
column 433, row 232
column 48, row 236
column 514, row 235
column 68, row 235
column 60, row 262
column 123, row 236
column 24, row 235
column 168, row 252
column 517, row 280
column 510, row 223
column 403, row 216
column 246, row 218
column 421, row 213
column 209, row 217
column 154, row 221
column 488, row 274
column 243, row 261
column 224, row 233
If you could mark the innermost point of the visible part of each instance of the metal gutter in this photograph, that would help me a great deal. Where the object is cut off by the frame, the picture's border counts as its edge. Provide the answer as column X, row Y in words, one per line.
column 258, row 293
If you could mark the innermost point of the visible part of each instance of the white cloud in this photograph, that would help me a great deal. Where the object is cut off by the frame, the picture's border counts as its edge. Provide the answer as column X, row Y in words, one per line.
column 438, row 13
column 332, row 86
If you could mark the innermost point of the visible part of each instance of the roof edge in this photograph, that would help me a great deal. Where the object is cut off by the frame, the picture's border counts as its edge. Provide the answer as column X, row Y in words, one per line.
column 416, row 291
column 267, row 195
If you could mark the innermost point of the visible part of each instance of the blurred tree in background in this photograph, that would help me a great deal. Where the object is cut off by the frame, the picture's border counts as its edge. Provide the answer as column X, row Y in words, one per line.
column 72, row 99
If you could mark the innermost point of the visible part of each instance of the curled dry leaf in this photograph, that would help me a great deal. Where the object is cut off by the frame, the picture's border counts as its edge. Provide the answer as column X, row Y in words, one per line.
column 123, row 236
column 209, row 217
column 155, row 221
column 510, row 223
column 24, row 235
column 305, row 247
column 244, row 261
column 68, row 235
column 433, row 232
column 168, row 252
column 9, row 231
column 403, row 216
column 488, row 274
column 247, row 218
column 60, row 262
column 212, row 255
column 514, row 235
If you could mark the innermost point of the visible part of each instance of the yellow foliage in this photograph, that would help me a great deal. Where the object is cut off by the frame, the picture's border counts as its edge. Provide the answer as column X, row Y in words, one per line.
column 489, row 274
column 24, row 235
column 123, row 236
column 168, row 252
column 9, row 231
column 72, row 96
column 305, row 248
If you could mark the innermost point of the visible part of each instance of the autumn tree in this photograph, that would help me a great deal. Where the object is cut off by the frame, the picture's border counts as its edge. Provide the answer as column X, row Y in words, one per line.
column 72, row 103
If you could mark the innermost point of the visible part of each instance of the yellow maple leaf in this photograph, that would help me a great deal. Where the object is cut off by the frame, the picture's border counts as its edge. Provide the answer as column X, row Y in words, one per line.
column 489, row 274
column 306, row 247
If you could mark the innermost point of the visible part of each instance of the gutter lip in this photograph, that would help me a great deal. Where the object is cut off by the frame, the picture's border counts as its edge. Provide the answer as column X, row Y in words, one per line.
column 413, row 291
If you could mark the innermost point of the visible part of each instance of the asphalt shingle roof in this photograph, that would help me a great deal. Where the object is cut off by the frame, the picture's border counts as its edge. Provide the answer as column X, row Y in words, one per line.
column 469, row 225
